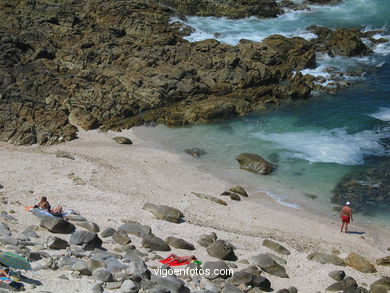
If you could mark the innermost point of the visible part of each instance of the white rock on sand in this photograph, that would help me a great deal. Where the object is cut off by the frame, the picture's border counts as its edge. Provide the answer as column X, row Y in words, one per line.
column 108, row 182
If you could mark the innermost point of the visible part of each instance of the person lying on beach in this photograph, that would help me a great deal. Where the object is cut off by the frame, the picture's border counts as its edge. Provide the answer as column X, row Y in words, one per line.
column 44, row 205
column 174, row 260
column 346, row 216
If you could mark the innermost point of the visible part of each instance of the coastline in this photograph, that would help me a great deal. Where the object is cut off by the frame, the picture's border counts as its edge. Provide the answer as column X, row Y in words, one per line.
column 108, row 182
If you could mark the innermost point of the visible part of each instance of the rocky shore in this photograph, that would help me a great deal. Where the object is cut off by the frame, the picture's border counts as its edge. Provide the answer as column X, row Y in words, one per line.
column 132, row 212
column 116, row 64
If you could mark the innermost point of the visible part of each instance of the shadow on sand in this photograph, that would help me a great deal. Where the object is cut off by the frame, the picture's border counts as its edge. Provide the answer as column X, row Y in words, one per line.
column 356, row 232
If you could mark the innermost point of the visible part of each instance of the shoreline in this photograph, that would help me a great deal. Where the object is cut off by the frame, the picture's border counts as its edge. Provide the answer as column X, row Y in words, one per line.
column 109, row 183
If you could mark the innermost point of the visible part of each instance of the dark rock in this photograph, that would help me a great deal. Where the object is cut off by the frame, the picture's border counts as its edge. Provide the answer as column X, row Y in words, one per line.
column 57, row 225
column 356, row 290
column 114, row 266
column 163, row 212
column 221, row 249
column 348, row 282
column 239, row 190
column 217, row 269
column 324, row 258
column 108, row 232
column 88, row 240
column 155, row 243
column 54, row 242
column 195, row 152
column 254, row 163
column 179, row 243
column 276, row 247
column 122, row 140
column 267, row 264
column 121, row 237
column 337, row 275
column 233, row 196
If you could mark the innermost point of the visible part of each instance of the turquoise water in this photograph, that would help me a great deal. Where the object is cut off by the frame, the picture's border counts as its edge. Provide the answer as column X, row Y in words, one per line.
column 315, row 142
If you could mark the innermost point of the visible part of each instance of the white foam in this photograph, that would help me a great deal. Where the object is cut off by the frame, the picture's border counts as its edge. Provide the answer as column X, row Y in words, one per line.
column 329, row 146
column 280, row 199
column 383, row 114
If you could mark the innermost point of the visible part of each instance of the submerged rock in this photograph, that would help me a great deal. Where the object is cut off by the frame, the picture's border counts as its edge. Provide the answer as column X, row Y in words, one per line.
column 254, row 163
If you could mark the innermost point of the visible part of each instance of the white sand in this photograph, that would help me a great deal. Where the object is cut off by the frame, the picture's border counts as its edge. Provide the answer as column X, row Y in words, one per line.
column 109, row 182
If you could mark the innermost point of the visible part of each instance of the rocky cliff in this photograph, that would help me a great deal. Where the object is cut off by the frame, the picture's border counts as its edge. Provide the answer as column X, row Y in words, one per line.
column 115, row 64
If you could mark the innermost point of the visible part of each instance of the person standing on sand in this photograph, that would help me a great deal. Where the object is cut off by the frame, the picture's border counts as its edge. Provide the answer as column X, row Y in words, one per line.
column 346, row 216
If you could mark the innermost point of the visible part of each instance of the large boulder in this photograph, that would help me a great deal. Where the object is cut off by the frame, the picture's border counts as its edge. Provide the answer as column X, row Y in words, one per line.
column 254, row 163
column 155, row 243
column 324, row 258
column 267, row 264
column 179, row 243
column 103, row 275
column 346, row 283
column 359, row 263
column 135, row 229
column 173, row 284
column 129, row 286
column 57, row 225
column 163, row 212
column 121, row 237
column 54, row 242
column 88, row 240
column 216, row 269
column 221, row 249
column 90, row 226
column 276, row 247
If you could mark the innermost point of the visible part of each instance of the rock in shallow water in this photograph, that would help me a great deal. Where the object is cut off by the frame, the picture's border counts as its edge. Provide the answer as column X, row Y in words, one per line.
column 254, row 163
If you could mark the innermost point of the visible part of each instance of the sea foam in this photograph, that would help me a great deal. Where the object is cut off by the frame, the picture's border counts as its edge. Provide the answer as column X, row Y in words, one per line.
column 383, row 114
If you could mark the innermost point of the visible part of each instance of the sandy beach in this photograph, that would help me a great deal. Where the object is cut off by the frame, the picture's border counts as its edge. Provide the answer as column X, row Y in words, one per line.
column 109, row 183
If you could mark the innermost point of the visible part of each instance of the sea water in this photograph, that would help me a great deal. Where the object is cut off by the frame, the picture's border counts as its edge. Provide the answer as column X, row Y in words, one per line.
column 314, row 142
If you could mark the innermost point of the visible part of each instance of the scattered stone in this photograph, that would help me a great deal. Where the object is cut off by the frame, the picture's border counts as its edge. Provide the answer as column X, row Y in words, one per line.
column 267, row 264
column 114, row 266
column 97, row 288
column 239, row 190
column 90, row 226
column 54, row 242
column 233, row 196
column 277, row 259
column 108, row 232
column 63, row 277
column 129, row 286
column 179, row 243
column 103, row 275
column 8, row 240
column 205, row 240
column 57, row 225
column 217, row 269
column 64, row 154
column 346, row 283
column 324, row 258
column 221, row 249
column 88, row 240
column 113, row 285
column 81, row 267
column 337, row 275
column 121, row 237
column 254, row 163
column 1, row 186
column 4, row 229
column 122, row 140
column 381, row 286
column 173, row 284
column 155, row 243
column 384, row 261
column 230, row 288
column 276, row 247
column 211, row 198
column 195, row 152
column 359, row 263
column 356, row 290
column 135, row 229
column 163, row 212
column 94, row 264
